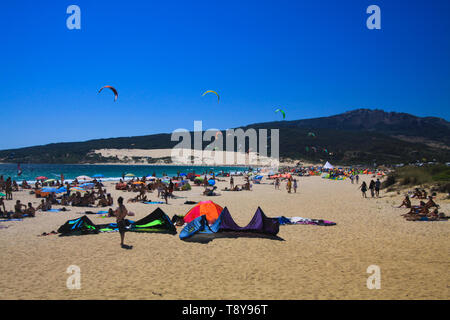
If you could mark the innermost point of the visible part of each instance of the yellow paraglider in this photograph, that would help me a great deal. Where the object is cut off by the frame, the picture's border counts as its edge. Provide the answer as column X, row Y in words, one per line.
column 211, row 91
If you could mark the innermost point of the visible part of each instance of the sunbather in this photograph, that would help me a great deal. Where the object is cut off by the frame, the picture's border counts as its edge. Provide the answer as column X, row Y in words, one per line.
column 30, row 211
column 18, row 213
column 406, row 202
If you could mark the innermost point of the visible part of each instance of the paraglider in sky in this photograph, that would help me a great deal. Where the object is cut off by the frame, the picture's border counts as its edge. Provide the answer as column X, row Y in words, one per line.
column 211, row 91
column 311, row 134
column 112, row 89
column 282, row 112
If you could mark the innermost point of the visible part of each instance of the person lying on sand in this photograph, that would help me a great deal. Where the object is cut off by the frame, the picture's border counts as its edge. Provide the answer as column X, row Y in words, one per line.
column 406, row 202
column 432, row 216
column 209, row 192
column 138, row 198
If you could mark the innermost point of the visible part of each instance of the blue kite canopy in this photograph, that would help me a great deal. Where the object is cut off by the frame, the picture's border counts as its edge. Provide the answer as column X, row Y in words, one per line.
column 260, row 223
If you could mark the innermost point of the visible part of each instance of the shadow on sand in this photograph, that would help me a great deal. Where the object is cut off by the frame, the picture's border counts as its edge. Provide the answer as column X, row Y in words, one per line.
column 205, row 238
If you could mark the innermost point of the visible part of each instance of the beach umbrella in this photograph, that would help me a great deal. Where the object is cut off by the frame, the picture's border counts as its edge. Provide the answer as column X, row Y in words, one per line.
column 77, row 189
column 129, row 175
column 41, row 178
column 49, row 190
column 49, row 180
column 61, row 190
column 86, row 178
column 183, row 174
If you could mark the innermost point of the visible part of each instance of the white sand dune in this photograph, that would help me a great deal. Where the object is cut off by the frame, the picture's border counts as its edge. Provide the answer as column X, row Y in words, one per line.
column 312, row 262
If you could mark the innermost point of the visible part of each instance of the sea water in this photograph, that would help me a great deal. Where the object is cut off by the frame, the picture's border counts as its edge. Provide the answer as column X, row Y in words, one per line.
column 110, row 172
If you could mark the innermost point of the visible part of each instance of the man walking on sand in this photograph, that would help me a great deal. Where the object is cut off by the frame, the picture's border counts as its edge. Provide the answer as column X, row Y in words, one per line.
column 120, row 213
column 377, row 188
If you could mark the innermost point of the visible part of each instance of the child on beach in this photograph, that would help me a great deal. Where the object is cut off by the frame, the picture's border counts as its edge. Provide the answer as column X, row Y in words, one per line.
column 277, row 183
column 295, row 185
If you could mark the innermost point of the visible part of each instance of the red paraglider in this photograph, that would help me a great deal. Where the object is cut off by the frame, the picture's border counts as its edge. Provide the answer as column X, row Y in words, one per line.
column 112, row 89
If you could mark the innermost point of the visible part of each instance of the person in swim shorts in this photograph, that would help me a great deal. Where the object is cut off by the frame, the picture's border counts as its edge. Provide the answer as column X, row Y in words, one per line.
column 121, row 212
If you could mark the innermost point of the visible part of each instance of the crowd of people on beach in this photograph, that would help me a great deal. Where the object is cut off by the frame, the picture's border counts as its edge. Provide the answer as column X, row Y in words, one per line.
column 424, row 210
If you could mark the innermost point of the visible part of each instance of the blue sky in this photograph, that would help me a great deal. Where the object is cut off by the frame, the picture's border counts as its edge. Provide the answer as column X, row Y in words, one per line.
column 311, row 58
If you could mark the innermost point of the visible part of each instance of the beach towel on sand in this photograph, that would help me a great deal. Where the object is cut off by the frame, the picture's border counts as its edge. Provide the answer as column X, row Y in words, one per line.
column 154, row 202
column 299, row 220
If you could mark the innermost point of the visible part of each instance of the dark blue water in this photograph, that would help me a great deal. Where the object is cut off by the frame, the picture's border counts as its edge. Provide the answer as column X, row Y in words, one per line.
column 111, row 172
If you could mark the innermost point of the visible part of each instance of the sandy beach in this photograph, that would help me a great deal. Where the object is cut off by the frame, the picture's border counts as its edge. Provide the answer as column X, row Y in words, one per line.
column 312, row 262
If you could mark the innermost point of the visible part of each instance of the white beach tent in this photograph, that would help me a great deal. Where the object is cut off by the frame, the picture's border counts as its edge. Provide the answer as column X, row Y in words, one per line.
column 328, row 166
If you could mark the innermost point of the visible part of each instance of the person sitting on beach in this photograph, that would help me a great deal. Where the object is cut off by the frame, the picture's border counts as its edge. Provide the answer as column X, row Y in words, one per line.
column 111, row 213
column 406, row 202
column 431, row 203
column 18, row 213
column 52, row 198
column 65, row 200
column 110, row 199
column 424, row 194
column 417, row 194
column 421, row 209
column 30, row 211
column 102, row 202
column 25, row 185
column 142, row 192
